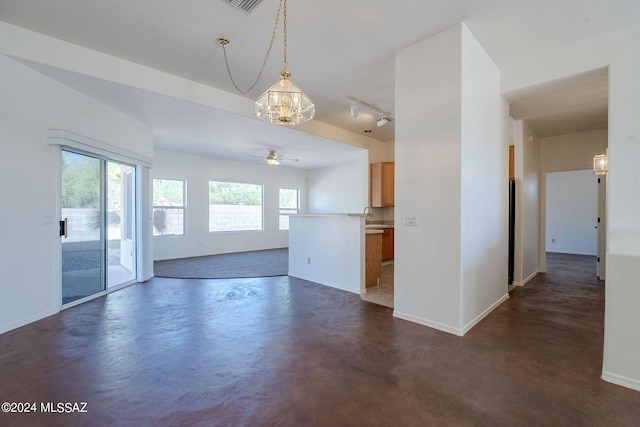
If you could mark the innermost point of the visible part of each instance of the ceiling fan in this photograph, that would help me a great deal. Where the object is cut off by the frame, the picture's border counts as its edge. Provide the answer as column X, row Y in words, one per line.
column 273, row 159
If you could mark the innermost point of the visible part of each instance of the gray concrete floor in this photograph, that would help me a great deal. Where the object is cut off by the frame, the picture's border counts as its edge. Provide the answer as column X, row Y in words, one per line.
column 286, row 352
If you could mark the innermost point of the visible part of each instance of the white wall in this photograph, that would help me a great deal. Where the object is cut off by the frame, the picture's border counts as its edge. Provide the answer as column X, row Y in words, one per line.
column 485, row 163
column 571, row 212
column 340, row 189
column 527, row 237
column 198, row 170
column 31, row 104
column 382, row 151
column 451, row 269
column 427, row 260
column 622, row 339
column 328, row 249
column 572, row 151
column 618, row 52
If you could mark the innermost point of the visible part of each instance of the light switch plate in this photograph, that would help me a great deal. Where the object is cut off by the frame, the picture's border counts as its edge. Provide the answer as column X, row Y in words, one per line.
column 411, row 220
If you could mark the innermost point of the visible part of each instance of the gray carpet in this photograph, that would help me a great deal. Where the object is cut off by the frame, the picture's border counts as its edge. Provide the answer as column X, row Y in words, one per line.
column 266, row 263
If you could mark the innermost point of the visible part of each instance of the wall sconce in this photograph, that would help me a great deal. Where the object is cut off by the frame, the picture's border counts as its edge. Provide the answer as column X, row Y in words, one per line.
column 600, row 164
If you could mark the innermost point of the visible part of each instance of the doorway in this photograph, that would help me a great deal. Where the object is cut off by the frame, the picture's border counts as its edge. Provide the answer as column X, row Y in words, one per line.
column 97, row 231
column 574, row 221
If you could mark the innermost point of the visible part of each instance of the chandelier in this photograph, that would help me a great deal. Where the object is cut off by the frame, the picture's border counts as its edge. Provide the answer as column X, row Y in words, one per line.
column 284, row 103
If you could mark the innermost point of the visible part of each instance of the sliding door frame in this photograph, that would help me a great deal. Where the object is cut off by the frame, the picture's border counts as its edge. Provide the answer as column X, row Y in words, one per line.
column 99, row 222
column 61, row 139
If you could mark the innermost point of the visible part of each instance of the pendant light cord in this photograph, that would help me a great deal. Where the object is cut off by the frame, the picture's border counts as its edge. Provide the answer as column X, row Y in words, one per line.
column 284, row 37
column 224, row 42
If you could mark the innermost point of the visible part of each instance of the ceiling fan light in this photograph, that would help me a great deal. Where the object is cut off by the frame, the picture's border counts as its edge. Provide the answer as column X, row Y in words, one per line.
column 284, row 103
column 272, row 159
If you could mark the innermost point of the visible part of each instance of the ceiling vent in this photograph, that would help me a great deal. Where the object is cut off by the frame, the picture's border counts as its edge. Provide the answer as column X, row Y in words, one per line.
column 246, row 5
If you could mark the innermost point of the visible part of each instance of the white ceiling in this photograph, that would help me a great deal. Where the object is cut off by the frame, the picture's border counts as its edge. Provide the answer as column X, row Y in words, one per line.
column 184, row 126
column 575, row 104
column 336, row 48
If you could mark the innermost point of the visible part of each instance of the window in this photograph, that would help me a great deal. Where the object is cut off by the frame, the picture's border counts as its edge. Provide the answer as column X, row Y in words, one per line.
column 234, row 206
column 168, row 207
column 289, row 204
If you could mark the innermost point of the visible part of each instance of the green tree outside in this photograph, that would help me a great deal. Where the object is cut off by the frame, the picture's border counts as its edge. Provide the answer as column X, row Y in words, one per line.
column 232, row 193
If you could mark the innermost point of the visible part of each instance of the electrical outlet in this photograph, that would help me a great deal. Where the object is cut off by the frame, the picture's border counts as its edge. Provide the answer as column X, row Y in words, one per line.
column 309, row 260
column 553, row 240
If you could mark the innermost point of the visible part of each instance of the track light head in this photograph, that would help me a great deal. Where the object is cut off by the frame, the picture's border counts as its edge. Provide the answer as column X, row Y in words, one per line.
column 383, row 121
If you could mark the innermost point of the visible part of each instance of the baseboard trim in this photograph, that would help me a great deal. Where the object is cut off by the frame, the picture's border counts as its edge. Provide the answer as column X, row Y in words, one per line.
column 447, row 328
column 484, row 314
column 621, row 381
column 324, row 283
column 429, row 323
column 28, row 320
column 524, row 282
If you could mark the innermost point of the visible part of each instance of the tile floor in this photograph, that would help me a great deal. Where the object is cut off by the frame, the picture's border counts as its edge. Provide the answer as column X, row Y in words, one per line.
column 383, row 293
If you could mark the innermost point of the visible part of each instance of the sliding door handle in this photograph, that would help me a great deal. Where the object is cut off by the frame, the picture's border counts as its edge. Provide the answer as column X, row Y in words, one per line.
column 63, row 228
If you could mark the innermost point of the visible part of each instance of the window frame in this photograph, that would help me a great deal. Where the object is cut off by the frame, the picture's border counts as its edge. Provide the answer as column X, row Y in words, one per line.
column 291, row 211
column 239, row 230
column 182, row 207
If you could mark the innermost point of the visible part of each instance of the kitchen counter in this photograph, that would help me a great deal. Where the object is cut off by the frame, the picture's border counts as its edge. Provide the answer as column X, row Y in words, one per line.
column 329, row 249
column 357, row 215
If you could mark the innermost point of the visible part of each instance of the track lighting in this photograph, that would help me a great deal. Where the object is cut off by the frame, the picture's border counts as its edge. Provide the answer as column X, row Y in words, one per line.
column 383, row 121
column 384, row 116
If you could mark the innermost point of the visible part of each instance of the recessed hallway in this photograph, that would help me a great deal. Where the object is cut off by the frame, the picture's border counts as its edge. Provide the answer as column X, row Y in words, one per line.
column 281, row 351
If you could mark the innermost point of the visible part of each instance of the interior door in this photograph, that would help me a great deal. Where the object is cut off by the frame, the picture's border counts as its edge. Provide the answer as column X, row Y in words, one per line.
column 82, row 227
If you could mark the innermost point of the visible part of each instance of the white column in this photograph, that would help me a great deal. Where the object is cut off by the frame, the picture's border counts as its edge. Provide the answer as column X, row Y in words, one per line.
column 451, row 174
column 622, row 313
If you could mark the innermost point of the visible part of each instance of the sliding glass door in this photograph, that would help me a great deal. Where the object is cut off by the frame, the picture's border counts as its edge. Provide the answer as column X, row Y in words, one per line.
column 121, row 223
column 82, row 227
column 98, row 225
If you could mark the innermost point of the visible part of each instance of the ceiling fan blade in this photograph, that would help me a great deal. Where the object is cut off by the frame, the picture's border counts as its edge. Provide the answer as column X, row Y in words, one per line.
column 274, row 157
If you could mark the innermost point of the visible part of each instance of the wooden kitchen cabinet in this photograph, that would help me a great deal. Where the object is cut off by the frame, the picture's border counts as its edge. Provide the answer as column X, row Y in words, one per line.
column 373, row 259
column 381, row 180
column 387, row 245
